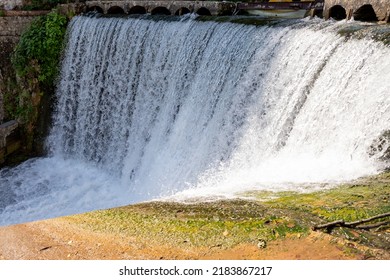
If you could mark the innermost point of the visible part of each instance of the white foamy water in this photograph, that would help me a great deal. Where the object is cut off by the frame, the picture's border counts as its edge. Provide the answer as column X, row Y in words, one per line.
column 149, row 108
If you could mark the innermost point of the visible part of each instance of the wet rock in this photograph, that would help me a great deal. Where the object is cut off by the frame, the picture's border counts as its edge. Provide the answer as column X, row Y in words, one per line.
column 380, row 147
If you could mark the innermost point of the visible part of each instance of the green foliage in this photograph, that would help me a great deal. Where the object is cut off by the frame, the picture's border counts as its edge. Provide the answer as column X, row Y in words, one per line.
column 38, row 52
column 36, row 63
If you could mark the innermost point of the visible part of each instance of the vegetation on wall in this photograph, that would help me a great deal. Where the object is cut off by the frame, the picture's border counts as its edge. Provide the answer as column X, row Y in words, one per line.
column 39, row 49
column 36, row 61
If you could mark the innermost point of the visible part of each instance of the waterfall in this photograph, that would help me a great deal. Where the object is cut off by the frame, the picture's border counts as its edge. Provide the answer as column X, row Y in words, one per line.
column 154, row 108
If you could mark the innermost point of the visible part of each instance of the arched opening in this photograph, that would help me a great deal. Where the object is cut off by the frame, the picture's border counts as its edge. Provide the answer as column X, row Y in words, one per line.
column 96, row 9
column 115, row 10
column 203, row 12
column 160, row 11
column 137, row 10
column 182, row 11
column 365, row 13
column 337, row 12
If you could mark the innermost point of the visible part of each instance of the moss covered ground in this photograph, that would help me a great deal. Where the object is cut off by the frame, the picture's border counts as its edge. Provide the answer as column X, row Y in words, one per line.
column 263, row 217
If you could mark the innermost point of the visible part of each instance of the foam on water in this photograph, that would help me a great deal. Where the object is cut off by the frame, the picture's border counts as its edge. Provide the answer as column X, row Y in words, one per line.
column 153, row 108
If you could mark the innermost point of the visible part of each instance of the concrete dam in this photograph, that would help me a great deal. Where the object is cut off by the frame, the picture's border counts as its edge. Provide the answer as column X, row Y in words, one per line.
column 362, row 10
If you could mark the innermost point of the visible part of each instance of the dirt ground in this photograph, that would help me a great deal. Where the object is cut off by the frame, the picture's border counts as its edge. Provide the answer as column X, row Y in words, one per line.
column 58, row 239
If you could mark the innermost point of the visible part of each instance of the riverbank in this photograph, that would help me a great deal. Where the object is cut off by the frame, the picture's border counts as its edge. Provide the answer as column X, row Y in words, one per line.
column 60, row 240
column 266, row 226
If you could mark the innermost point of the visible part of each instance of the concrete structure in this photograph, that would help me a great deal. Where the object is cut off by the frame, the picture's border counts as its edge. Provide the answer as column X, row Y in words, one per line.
column 365, row 10
column 9, row 139
column 162, row 7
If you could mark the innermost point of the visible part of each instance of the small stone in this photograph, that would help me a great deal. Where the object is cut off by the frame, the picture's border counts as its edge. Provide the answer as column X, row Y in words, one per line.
column 262, row 244
column 225, row 233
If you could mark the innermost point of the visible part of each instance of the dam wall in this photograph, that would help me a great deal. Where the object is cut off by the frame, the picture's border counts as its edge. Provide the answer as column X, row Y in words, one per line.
column 365, row 10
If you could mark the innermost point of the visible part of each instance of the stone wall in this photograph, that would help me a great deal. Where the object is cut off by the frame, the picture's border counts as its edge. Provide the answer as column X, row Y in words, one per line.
column 381, row 7
column 215, row 7
column 11, row 4
column 12, row 24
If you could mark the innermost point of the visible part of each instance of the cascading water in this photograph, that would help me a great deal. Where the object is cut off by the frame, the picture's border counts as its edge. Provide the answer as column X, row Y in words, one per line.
column 151, row 108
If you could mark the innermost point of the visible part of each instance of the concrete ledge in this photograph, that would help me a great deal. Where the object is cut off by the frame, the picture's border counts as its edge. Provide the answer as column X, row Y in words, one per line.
column 8, row 146
column 16, row 13
column 214, row 7
column 5, row 130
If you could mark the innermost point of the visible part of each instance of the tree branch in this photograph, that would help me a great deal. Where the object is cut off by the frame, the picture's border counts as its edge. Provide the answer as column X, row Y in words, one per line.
column 352, row 224
column 355, row 224
column 329, row 225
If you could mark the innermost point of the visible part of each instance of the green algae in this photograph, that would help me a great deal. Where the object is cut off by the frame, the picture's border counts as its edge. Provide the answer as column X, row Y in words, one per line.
column 266, row 216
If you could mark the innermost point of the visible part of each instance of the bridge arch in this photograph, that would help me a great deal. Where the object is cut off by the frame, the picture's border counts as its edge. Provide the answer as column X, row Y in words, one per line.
column 160, row 11
column 97, row 9
column 365, row 13
column 182, row 11
column 337, row 12
column 137, row 10
column 202, row 11
column 115, row 10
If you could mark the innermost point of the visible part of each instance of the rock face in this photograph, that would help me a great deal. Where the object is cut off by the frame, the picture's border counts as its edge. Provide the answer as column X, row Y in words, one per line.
column 380, row 147
column 381, row 7
column 11, row 4
column 11, row 27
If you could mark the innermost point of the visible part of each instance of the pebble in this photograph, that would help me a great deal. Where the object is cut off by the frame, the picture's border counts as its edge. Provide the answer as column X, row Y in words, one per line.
column 262, row 244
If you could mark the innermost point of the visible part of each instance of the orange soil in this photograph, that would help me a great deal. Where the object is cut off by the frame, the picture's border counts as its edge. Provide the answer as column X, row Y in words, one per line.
column 59, row 239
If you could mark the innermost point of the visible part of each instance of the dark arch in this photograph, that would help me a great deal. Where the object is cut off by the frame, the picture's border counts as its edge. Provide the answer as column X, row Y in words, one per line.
column 115, row 10
column 182, row 11
column 365, row 13
column 337, row 12
column 203, row 11
column 137, row 10
column 95, row 9
column 160, row 11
